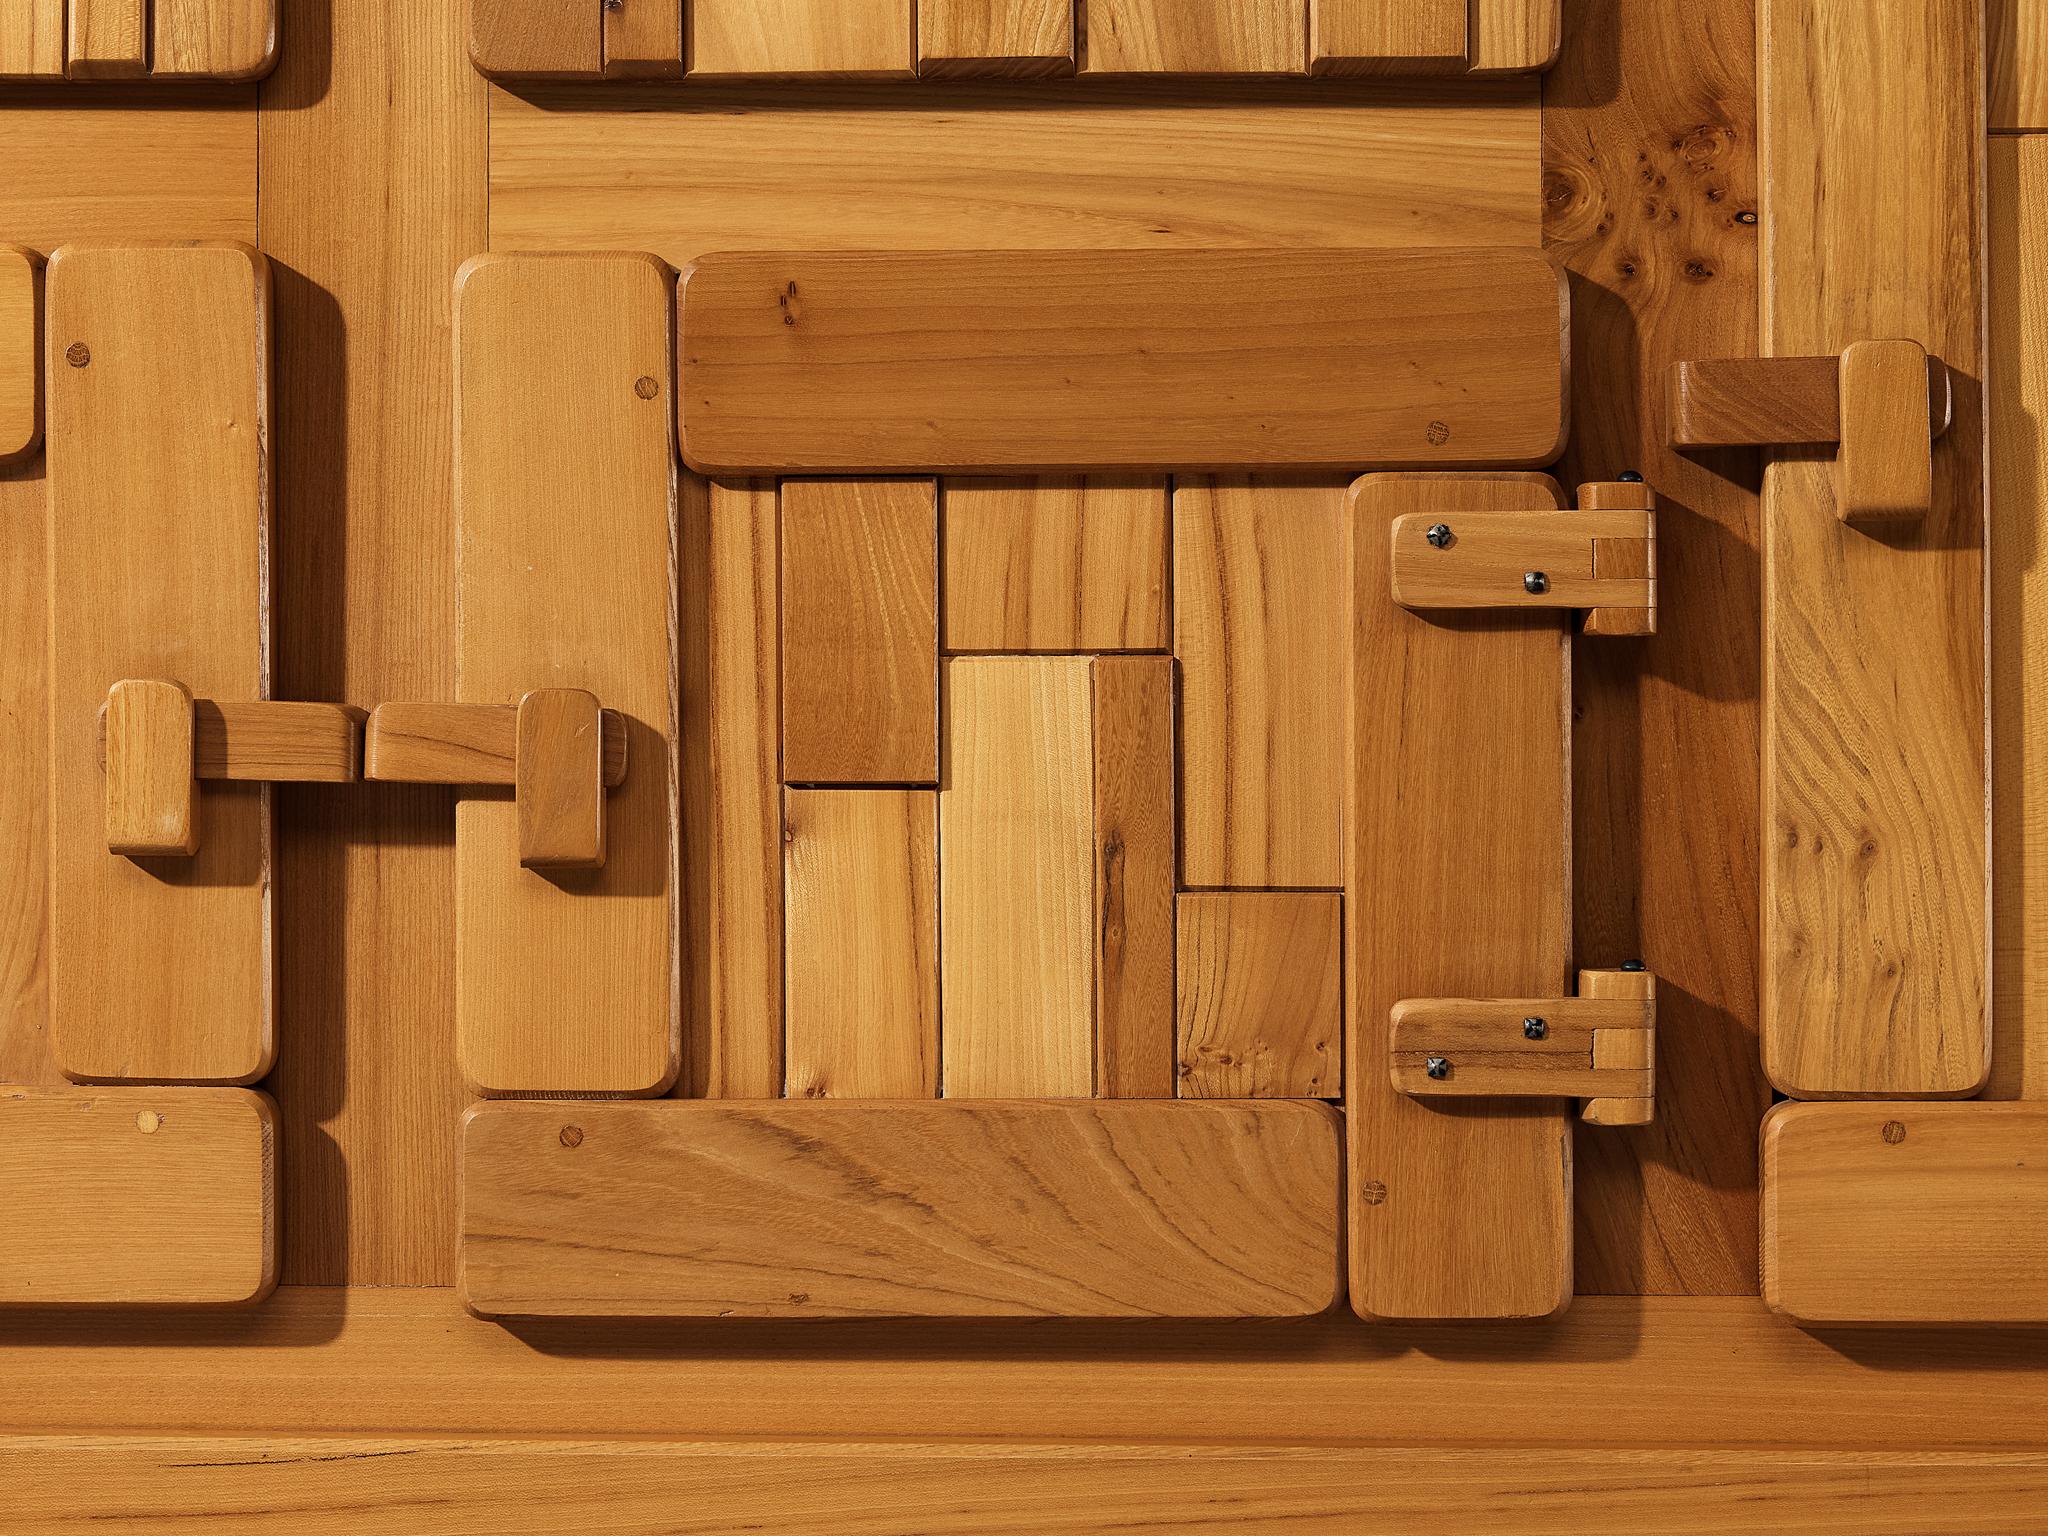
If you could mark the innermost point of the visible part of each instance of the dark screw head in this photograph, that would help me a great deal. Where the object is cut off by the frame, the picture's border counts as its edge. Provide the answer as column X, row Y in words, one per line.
column 1440, row 535
column 1629, row 477
column 1535, row 583
column 1631, row 965
column 1535, row 1029
column 1438, row 1068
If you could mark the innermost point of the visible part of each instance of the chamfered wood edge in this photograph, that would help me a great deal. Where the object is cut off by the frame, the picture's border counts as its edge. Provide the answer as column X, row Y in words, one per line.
column 28, row 451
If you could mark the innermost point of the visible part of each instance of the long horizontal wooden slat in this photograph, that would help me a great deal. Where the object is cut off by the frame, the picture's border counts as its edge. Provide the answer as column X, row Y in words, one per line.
column 461, row 744
column 273, row 740
column 137, row 1196
column 854, row 1208
column 963, row 362
column 1454, row 559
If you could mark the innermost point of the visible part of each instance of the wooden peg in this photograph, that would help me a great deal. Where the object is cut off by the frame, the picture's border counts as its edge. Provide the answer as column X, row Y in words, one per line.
column 558, row 770
column 1885, row 468
column 152, row 794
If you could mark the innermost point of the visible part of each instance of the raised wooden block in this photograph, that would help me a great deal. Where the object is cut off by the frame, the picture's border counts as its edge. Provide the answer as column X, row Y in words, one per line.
column 858, row 38
column 849, row 1209
column 1515, row 36
column 643, row 39
column 212, row 39
column 152, row 792
column 1260, row 983
column 272, row 741
column 21, row 354
column 977, row 362
column 559, row 779
column 995, row 37
column 108, row 40
column 1376, row 37
column 2018, row 45
column 1455, row 559
column 1885, row 470
column 32, row 39
column 524, row 39
column 1196, row 37
column 158, row 1197
column 1133, row 750
column 1576, row 1047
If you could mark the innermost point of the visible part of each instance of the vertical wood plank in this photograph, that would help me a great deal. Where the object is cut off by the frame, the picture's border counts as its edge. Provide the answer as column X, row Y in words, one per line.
column 1376, row 37
column 109, row 39
column 995, row 37
column 1514, row 36
column 32, row 39
column 802, row 37
column 861, row 894
column 2018, row 46
column 1134, row 876
column 515, row 38
column 643, row 38
column 1458, row 884
column 1260, row 985
column 1016, row 860
column 21, row 354
column 1874, row 920
column 212, row 39
column 159, row 515
column 1055, row 564
column 566, row 518
column 1198, row 37
column 1259, row 603
column 860, row 632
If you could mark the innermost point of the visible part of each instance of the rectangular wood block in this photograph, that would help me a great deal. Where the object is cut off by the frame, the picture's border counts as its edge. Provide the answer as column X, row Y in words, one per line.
column 1906, row 1213
column 137, row 1197
column 995, row 37
column 2018, row 45
column 1260, row 594
column 151, row 787
column 514, row 39
column 1874, row 783
column 1200, row 37
column 566, row 981
column 643, row 38
column 860, row 632
column 1514, row 36
column 559, row 783
column 979, row 362
column 472, row 744
column 1384, row 37
column 1134, row 876
column 802, row 37
column 1055, row 565
column 159, row 510
column 21, row 354
column 1016, row 878
column 212, row 39
column 32, row 39
column 1457, row 884
column 848, row 1209
column 1885, row 468
column 108, row 40
column 1259, row 982
column 861, row 889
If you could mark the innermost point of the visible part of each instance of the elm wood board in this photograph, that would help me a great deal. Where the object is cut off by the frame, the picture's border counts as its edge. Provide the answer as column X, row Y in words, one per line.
column 1247, row 37
column 643, row 38
column 1259, row 985
column 21, row 353
column 995, row 37
column 872, row 1210
column 1874, row 785
column 802, row 37
column 1457, row 884
column 567, row 981
column 137, row 1196
column 982, row 362
column 159, row 528
column 212, row 39
column 32, row 40
column 2019, row 64
column 1906, row 1213
column 1134, row 829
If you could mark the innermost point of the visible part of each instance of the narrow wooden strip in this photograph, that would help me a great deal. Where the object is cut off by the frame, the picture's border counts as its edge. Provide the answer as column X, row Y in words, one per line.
column 995, row 37
column 212, row 39
column 1906, row 1213
column 274, row 741
column 1874, row 785
column 151, row 790
column 137, row 1196
column 861, row 891
column 565, row 579
column 977, row 362
column 1457, row 882
column 1016, row 878
column 1055, row 564
column 848, row 1209
column 1449, row 558
column 802, row 37
column 860, row 632
column 1134, row 876
column 643, row 39
column 32, row 40
column 472, row 744
column 108, row 39
column 1260, row 594
column 559, row 780
column 1195, row 37
column 514, row 39
column 1260, row 985
column 21, row 353
column 1516, row 36
column 2019, row 65
column 1376, row 37
column 1741, row 401
column 158, row 522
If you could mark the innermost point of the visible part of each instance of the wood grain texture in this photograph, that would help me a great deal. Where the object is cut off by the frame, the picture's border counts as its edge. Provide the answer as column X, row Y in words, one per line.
column 995, row 37
column 1882, row 474
column 159, row 526
column 138, row 1196
column 1457, row 884
column 1632, row 1112
column 1372, row 37
column 568, row 985
column 150, row 788
column 1135, row 824
column 107, row 40
column 32, row 39
column 1906, row 1213
column 1731, row 402
column 1588, row 1047
column 1650, row 172
column 560, row 787
column 1055, row 564
column 212, row 39
column 21, row 354
column 860, row 632
column 861, row 897
column 526, row 39
column 1016, row 878
column 1259, row 983
column 802, row 37
column 964, row 1210
column 730, row 586
column 469, row 744
column 979, row 362
column 1490, row 556
column 1200, row 37
column 1512, row 36
column 1874, row 787
column 643, row 38
column 2019, row 65
column 1260, row 593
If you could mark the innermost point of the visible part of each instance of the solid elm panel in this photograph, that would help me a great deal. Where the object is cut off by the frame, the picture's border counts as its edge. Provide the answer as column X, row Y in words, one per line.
column 566, row 980
column 1375, row 37
column 515, row 38
column 643, row 38
column 1134, row 764
column 159, row 505
column 21, row 354
column 1196, row 37
column 1259, row 982
column 1516, row 36
column 995, row 37
column 985, row 362
column 212, row 39
column 107, row 39
column 32, row 39
column 861, row 1209
column 801, row 37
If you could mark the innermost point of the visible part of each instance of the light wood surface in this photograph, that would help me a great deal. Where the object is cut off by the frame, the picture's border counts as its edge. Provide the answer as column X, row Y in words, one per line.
column 1881, row 473
column 1206, row 37
column 1586, row 1047
column 801, row 37
column 1874, row 789
column 985, row 362
column 272, row 739
column 1457, row 883
column 32, row 38
column 560, row 786
column 861, row 896
column 1641, row 984
column 1259, row 984
column 522, row 39
column 159, row 518
column 408, row 743
column 995, row 37
column 108, row 39
column 643, row 38
column 150, row 786
column 1134, row 861
column 1369, row 37
column 212, row 39
column 1260, row 593
column 1510, row 36
column 137, row 1196
column 1016, row 878
column 1488, row 557
column 2019, row 64
column 21, row 354
column 1055, row 564
column 568, row 984
column 860, row 632
column 1906, row 1213
column 847, row 1209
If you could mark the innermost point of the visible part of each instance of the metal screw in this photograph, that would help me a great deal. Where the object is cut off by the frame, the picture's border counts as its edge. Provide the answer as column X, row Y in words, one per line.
column 1535, row 583
column 1535, row 1029
column 1438, row 1068
column 1631, row 965
column 1440, row 535
column 1629, row 477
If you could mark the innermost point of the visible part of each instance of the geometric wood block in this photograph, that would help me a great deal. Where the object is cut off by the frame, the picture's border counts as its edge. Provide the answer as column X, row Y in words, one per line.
column 566, row 980
column 151, row 791
column 1134, row 876
column 1884, row 471
column 643, row 39
column 1516, row 36
column 137, row 1197
column 1581, row 1047
column 1457, row 884
column 1203, row 37
column 21, row 354
column 470, row 744
column 159, row 500
column 802, row 37
column 528, row 38
column 1260, row 985
column 212, row 39
column 560, row 786
column 32, row 40
column 995, row 37
column 1380, row 37
column 843, row 1208
column 109, row 40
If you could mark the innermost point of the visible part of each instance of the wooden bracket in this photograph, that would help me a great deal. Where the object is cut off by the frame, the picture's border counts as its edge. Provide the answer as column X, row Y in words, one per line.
column 1600, row 1047
column 1601, row 558
column 1883, row 402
